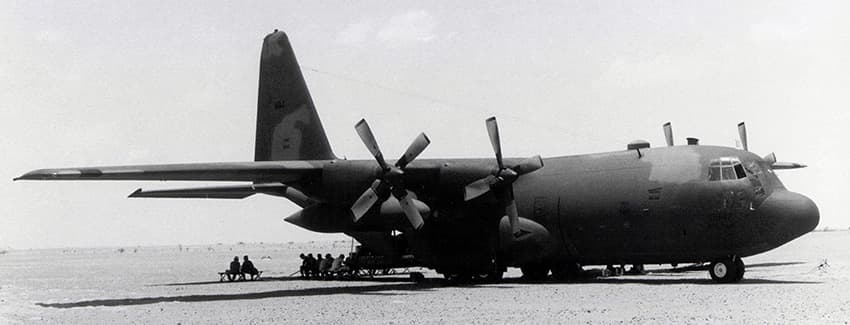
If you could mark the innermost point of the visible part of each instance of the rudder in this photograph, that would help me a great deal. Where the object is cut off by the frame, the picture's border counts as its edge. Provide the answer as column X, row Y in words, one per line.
column 288, row 127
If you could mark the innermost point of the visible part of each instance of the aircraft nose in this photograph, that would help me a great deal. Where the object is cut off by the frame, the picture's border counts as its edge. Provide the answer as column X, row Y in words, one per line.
column 798, row 213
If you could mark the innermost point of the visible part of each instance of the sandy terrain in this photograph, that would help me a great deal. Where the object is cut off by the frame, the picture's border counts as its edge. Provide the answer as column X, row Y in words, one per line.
column 169, row 285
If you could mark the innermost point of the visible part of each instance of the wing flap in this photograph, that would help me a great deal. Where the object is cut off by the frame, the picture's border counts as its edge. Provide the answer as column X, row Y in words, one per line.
column 230, row 192
column 236, row 192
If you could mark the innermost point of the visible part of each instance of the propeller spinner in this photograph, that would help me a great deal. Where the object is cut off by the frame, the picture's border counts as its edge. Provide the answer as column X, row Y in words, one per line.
column 501, row 181
column 391, row 179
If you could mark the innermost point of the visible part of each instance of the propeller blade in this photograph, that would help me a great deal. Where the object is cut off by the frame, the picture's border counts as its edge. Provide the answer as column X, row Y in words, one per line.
column 786, row 165
column 493, row 131
column 416, row 147
column 479, row 187
column 368, row 138
column 363, row 204
column 511, row 211
column 366, row 200
column 742, row 132
column 529, row 165
column 410, row 210
column 668, row 134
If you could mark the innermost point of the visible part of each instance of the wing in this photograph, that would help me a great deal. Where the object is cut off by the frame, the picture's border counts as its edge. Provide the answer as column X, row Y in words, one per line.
column 260, row 172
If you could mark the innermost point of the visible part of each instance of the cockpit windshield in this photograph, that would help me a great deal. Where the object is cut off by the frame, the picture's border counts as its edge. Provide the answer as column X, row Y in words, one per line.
column 725, row 168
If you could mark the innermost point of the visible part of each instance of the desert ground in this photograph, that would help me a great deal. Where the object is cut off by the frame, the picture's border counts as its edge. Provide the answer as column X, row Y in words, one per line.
column 805, row 281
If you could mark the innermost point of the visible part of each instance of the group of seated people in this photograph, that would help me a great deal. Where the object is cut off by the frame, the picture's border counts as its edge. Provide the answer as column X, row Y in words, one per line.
column 237, row 271
column 325, row 268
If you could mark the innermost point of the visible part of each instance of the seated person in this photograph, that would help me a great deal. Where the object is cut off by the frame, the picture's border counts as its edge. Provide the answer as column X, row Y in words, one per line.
column 304, row 269
column 248, row 268
column 339, row 266
column 317, row 269
column 312, row 266
column 325, row 266
column 233, row 270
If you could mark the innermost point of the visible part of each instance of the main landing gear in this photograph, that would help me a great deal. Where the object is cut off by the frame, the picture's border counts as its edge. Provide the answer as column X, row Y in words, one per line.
column 535, row 272
column 727, row 270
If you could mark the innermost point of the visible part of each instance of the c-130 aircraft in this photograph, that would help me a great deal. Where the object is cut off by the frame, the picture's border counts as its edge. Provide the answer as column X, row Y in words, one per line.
column 473, row 218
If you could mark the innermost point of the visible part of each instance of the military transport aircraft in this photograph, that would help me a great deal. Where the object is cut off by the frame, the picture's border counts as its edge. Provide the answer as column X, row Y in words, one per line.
column 473, row 218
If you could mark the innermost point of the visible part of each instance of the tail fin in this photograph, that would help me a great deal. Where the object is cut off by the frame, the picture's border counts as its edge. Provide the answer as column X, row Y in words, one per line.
column 288, row 127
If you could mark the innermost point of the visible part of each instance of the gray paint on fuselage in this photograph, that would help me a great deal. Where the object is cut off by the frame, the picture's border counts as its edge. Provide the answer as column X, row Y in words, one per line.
column 615, row 207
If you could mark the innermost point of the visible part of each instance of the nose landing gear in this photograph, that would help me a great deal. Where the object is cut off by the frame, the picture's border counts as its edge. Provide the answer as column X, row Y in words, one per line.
column 727, row 270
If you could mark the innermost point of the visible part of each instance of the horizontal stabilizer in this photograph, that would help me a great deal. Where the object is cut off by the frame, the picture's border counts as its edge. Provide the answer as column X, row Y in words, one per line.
column 230, row 192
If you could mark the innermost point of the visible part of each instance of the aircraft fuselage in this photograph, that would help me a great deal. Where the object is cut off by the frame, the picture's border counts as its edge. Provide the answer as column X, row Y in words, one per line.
column 652, row 205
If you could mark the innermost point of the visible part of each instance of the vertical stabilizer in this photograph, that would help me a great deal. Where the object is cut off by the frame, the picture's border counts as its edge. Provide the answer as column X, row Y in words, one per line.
column 288, row 127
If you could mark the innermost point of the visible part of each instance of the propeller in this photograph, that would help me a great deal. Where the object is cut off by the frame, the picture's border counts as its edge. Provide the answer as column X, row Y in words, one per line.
column 501, row 181
column 771, row 157
column 391, row 181
column 668, row 134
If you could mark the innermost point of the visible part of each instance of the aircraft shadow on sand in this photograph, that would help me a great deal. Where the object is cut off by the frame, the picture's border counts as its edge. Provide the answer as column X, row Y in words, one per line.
column 378, row 289
column 389, row 284
column 394, row 279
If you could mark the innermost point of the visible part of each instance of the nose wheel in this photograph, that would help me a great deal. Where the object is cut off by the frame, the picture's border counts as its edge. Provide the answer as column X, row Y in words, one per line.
column 727, row 270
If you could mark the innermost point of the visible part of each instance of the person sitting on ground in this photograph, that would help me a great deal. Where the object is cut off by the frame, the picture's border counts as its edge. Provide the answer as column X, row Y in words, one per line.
column 312, row 266
column 325, row 266
column 319, row 261
column 351, row 262
column 233, row 270
column 304, row 269
column 339, row 266
column 248, row 268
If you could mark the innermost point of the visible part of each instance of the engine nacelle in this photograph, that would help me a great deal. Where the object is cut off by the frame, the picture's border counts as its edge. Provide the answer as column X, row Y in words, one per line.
column 322, row 218
column 531, row 246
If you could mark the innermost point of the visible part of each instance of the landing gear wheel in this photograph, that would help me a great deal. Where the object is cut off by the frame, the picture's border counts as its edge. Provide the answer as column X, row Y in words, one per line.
column 535, row 272
column 566, row 271
column 739, row 265
column 727, row 270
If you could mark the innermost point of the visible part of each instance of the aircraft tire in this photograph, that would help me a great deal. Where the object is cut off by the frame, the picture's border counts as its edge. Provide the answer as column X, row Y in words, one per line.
column 725, row 270
column 566, row 271
column 535, row 272
column 739, row 265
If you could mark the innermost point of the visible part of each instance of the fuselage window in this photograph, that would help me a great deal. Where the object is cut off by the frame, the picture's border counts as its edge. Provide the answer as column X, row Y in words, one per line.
column 726, row 168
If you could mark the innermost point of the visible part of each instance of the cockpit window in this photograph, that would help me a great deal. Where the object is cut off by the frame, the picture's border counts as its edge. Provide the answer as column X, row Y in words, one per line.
column 739, row 171
column 726, row 168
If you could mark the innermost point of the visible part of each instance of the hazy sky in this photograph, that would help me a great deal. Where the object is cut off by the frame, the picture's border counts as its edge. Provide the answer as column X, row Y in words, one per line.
column 112, row 83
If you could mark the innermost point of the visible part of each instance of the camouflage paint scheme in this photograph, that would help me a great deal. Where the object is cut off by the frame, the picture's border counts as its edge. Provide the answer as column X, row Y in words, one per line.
column 637, row 206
